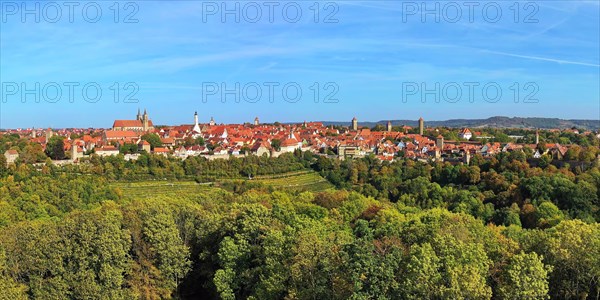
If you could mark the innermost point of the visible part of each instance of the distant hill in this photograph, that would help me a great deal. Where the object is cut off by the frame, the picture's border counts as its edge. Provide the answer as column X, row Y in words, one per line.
column 494, row 122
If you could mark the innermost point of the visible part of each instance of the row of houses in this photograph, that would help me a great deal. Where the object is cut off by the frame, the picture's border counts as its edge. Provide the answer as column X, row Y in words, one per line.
column 221, row 140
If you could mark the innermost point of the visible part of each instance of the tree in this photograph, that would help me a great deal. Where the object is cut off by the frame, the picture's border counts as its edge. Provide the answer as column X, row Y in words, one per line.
column 573, row 153
column 3, row 166
column 276, row 144
column 153, row 139
column 170, row 254
column 128, row 148
column 378, row 127
column 545, row 160
column 525, row 277
column 422, row 279
column 573, row 249
column 465, row 267
column 10, row 288
column 55, row 148
column 548, row 215
column 373, row 264
column 98, row 255
column 75, row 136
column 190, row 141
column 317, row 263
column 541, row 147
column 32, row 153
column 161, row 257
column 588, row 154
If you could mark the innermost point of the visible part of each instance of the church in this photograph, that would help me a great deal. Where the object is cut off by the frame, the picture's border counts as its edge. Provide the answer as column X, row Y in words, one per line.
column 141, row 124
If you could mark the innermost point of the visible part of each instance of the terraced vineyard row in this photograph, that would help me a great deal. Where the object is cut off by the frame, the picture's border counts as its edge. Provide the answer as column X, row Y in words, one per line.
column 303, row 181
column 149, row 189
column 310, row 181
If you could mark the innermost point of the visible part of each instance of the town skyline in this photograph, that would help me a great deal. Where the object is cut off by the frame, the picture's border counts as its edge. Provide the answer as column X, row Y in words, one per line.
column 138, row 134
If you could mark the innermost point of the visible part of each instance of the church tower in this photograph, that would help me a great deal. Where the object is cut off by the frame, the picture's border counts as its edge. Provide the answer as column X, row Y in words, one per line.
column 196, row 128
column 537, row 136
column 212, row 121
column 389, row 126
column 145, row 120
column 139, row 115
column 256, row 121
column 421, row 126
column 354, row 124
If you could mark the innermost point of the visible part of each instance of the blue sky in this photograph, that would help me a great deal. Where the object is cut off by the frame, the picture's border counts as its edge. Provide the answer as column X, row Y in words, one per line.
column 369, row 57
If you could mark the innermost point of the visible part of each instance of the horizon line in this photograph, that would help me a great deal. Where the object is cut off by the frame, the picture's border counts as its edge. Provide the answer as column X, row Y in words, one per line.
column 319, row 121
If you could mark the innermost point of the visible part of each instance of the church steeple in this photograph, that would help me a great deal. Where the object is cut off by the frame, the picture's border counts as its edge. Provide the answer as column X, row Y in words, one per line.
column 196, row 128
column 139, row 115
column 145, row 120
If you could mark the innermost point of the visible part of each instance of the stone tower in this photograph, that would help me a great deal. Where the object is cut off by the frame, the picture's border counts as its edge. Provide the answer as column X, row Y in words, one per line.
column 389, row 126
column 49, row 134
column 421, row 126
column 354, row 124
column 212, row 121
column 256, row 121
column 145, row 120
column 439, row 142
column 139, row 115
column 74, row 152
column 537, row 136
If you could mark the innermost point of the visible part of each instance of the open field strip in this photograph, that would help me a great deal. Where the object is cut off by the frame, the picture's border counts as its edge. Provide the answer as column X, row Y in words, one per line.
column 305, row 180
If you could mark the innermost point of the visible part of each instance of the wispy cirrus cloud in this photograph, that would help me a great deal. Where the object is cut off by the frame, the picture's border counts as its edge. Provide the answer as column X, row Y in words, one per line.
column 554, row 60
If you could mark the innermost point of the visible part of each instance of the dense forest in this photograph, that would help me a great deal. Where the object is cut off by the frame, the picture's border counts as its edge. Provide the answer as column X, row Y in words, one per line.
column 500, row 228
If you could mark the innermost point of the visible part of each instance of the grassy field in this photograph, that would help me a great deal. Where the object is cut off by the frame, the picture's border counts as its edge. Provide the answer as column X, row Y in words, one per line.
column 299, row 181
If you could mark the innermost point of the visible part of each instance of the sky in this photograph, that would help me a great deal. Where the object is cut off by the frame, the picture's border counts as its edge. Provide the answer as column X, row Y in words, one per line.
column 88, row 64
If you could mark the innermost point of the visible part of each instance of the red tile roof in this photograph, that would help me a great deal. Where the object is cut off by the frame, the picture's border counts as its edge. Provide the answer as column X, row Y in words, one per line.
column 116, row 134
column 130, row 123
